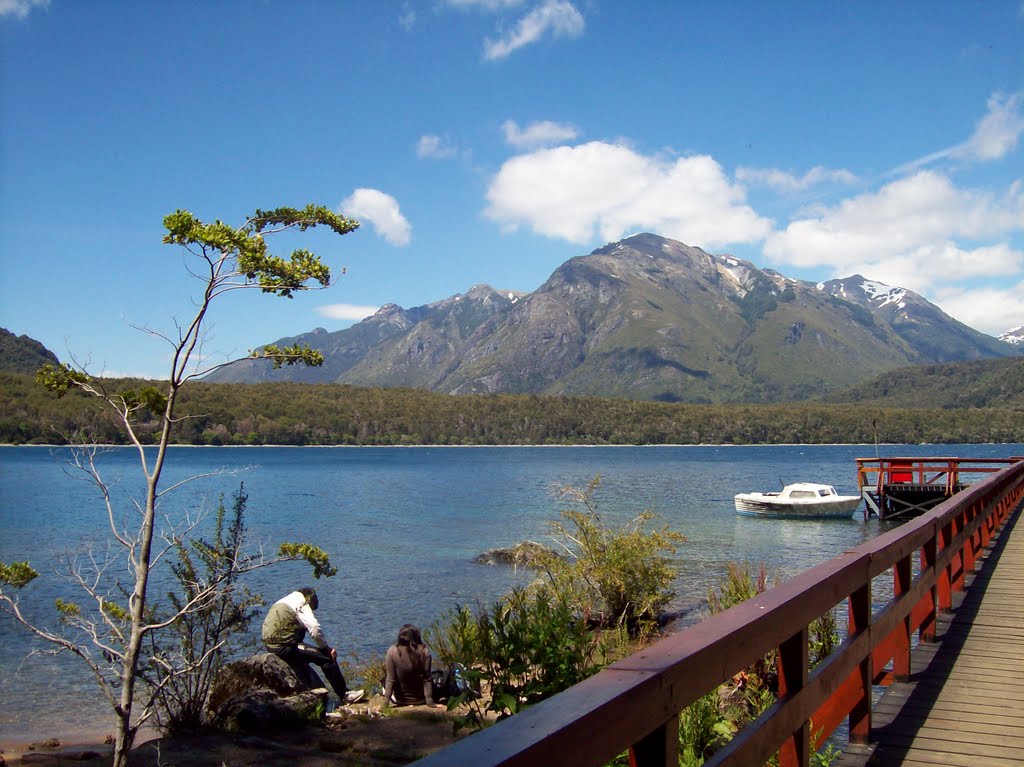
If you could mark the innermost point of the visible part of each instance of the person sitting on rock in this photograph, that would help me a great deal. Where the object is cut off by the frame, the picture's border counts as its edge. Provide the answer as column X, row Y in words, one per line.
column 407, row 664
column 284, row 628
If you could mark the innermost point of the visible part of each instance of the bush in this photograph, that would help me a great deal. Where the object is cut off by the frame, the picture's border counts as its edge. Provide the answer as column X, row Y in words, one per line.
column 611, row 577
column 526, row 647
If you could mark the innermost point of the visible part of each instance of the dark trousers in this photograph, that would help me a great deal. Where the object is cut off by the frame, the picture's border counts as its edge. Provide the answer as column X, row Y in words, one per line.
column 300, row 656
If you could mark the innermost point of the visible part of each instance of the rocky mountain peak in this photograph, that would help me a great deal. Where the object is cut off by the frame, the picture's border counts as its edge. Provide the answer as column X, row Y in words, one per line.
column 1014, row 337
column 649, row 318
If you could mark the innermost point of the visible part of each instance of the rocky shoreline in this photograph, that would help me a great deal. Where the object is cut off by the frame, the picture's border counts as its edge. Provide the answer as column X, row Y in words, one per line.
column 363, row 734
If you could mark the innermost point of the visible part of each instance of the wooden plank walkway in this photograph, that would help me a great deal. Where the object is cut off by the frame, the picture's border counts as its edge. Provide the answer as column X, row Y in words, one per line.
column 964, row 703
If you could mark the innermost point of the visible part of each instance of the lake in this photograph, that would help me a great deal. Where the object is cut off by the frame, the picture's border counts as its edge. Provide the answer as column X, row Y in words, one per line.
column 403, row 526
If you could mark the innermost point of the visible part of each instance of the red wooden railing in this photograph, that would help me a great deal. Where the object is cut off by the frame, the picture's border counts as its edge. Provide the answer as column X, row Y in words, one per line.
column 944, row 472
column 635, row 703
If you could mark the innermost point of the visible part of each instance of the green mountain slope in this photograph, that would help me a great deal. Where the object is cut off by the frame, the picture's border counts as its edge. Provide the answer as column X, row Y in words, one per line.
column 646, row 318
column 21, row 354
column 976, row 384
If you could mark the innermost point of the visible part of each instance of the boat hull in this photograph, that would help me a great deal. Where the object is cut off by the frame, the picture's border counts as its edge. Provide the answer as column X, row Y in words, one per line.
column 842, row 507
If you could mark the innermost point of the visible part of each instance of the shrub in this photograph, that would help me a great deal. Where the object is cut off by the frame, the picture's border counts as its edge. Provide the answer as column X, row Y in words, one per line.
column 610, row 576
column 526, row 647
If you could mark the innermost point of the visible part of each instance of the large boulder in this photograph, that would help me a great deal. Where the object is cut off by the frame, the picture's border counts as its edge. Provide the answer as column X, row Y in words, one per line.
column 262, row 693
column 523, row 554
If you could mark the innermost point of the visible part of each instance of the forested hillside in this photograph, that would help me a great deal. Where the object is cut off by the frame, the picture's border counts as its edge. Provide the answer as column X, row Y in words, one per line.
column 981, row 383
column 333, row 414
column 21, row 354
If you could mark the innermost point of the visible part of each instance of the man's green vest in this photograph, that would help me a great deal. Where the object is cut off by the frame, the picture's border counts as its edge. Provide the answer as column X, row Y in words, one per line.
column 281, row 628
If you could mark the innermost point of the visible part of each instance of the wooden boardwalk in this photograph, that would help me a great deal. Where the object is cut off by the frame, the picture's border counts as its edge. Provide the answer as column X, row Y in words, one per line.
column 964, row 703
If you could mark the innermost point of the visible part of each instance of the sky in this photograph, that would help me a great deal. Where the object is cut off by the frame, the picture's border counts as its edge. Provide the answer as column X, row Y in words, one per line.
column 488, row 142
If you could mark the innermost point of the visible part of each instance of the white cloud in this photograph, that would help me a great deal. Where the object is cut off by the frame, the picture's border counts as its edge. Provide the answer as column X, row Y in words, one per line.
column 607, row 190
column 901, row 216
column 346, row 311
column 913, row 232
column 407, row 17
column 997, row 132
column 434, row 146
column 995, row 135
column 992, row 310
column 383, row 213
column 558, row 17
column 537, row 134
column 487, row 5
column 20, row 9
column 789, row 183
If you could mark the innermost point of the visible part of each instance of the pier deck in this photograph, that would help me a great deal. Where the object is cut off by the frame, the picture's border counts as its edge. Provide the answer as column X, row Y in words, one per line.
column 963, row 705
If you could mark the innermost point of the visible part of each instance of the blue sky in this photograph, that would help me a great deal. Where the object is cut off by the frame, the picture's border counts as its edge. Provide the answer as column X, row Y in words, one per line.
column 489, row 141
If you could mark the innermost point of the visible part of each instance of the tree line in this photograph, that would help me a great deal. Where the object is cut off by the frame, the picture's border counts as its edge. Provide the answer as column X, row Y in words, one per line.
column 336, row 414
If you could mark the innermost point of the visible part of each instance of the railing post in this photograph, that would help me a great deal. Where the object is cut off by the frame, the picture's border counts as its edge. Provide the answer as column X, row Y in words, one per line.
column 859, row 621
column 943, row 578
column 958, row 578
column 659, row 749
column 973, row 544
column 793, row 662
column 901, row 656
column 928, row 559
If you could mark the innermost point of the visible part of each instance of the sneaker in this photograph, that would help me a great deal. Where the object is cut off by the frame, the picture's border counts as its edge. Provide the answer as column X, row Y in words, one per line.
column 354, row 696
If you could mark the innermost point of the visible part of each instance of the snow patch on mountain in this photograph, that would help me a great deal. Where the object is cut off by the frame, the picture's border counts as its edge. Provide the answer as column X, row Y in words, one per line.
column 1015, row 336
column 883, row 294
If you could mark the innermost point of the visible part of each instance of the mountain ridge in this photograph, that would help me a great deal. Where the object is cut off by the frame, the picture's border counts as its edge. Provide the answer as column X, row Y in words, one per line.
column 645, row 318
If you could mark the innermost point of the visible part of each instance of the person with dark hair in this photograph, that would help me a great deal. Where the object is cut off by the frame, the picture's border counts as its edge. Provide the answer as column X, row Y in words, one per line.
column 286, row 625
column 407, row 664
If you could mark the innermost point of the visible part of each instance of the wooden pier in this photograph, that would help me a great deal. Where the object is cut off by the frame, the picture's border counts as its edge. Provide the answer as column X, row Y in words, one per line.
column 907, row 487
column 634, row 705
column 961, row 706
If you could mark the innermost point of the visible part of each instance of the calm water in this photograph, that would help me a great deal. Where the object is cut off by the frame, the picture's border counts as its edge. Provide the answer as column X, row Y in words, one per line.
column 402, row 525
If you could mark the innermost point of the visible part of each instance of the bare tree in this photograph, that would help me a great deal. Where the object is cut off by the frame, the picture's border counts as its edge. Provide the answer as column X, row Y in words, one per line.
column 115, row 623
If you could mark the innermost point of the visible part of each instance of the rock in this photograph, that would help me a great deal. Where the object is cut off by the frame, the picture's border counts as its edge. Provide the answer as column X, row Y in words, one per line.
column 48, row 743
column 262, row 711
column 523, row 554
column 262, row 693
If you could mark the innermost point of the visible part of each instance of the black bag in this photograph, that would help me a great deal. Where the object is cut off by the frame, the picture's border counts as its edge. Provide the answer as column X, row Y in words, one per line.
column 448, row 682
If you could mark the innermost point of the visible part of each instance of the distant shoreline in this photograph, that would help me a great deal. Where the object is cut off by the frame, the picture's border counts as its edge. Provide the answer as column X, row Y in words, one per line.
column 515, row 445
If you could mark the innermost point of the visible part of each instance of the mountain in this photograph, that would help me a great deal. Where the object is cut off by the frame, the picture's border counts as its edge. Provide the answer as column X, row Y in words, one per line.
column 1014, row 337
column 644, row 318
column 21, row 354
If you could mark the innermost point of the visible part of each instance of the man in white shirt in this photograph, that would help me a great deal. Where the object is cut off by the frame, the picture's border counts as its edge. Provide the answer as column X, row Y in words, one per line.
column 284, row 628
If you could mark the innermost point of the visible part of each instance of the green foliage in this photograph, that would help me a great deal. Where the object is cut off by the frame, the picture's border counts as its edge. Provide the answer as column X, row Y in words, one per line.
column 523, row 649
column 114, row 611
column 205, row 623
column 737, row 586
column 59, row 379
column 314, row 555
column 17, row 574
column 702, row 730
column 824, row 638
column 363, row 671
column 148, row 398
column 247, row 247
column 289, row 355
column 332, row 414
column 711, row 722
column 67, row 610
column 610, row 576
column 21, row 354
column 210, row 604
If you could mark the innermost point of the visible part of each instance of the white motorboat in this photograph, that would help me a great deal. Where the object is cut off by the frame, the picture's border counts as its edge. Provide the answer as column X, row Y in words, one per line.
column 802, row 500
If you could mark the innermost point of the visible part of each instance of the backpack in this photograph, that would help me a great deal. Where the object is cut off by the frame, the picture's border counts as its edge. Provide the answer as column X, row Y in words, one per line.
column 448, row 682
